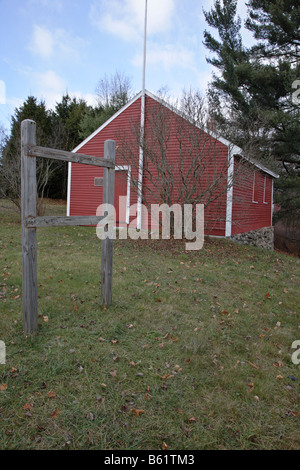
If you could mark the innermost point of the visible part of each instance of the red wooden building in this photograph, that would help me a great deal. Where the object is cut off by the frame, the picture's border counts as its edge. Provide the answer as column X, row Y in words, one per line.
column 238, row 191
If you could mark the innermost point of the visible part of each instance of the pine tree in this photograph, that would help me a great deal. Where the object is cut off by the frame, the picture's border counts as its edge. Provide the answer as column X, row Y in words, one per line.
column 252, row 98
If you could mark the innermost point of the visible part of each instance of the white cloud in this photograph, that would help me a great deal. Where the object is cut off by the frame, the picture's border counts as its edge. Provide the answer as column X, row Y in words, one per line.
column 125, row 18
column 55, row 44
column 168, row 56
column 50, row 87
column 42, row 42
column 51, row 81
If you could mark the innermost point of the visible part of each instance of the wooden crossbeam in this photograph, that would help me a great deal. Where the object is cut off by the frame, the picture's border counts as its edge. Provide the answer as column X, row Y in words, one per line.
column 61, row 221
column 55, row 154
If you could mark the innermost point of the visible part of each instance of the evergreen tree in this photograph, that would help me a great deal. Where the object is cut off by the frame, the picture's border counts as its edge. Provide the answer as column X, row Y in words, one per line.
column 251, row 99
column 10, row 173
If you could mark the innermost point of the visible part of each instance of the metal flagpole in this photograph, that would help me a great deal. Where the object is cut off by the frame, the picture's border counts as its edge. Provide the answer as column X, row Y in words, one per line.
column 141, row 153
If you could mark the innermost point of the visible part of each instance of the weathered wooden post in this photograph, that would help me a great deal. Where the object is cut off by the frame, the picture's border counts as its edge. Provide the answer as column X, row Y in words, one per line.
column 107, row 243
column 29, row 152
column 28, row 209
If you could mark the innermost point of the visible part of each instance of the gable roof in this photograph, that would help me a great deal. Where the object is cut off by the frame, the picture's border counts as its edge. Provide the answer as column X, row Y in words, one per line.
column 234, row 149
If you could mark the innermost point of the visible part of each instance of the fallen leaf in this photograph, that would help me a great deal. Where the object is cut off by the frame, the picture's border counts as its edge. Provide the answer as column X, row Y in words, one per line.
column 51, row 394
column 28, row 406
column 164, row 446
column 55, row 414
column 252, row 365
column 3, row 387
column 113, row 373
column 192, row 420
column 137, row 412
column 165, row 376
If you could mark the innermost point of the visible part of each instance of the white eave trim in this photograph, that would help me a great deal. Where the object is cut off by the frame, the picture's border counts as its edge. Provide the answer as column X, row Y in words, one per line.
column 233, row 149
column 90, row 137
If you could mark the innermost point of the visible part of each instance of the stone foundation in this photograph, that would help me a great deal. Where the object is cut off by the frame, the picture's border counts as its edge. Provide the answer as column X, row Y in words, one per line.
column 262, row 238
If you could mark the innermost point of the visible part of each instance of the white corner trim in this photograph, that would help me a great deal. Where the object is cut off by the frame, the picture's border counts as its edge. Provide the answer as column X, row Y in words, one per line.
column 229, row 201
column 272, row 202
column 69, row 188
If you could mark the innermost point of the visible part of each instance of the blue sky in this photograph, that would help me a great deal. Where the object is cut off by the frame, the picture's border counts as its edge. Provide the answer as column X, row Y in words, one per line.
column 50, row 47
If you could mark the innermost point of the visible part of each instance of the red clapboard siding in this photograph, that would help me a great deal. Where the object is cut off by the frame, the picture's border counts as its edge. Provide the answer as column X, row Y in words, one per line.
column 181, row 135
column 252, row 189
column 84, row 196
column 252, row 199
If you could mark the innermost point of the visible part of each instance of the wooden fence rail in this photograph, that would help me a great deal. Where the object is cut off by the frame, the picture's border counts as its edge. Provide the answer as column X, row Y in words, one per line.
column 29, row 152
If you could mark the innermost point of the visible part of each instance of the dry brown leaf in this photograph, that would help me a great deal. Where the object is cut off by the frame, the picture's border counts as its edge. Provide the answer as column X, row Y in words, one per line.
column 192, row 420
column 28, row 406
column 3, row 387
column 252, row 365
column 55, row 414
column 51, row 394
column 165, row 376
column 137, row 412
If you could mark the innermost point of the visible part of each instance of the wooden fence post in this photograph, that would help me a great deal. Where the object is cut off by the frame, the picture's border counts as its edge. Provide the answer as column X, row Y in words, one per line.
column 107, row 243
column 29, row 245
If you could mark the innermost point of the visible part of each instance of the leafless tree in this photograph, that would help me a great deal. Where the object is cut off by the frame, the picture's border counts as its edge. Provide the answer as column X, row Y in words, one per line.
column 10, row 171
column 184, row 170
column 114, row 91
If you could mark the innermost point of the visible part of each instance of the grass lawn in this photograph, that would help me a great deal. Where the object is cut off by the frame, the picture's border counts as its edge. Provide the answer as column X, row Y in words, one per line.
column 194, row 353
